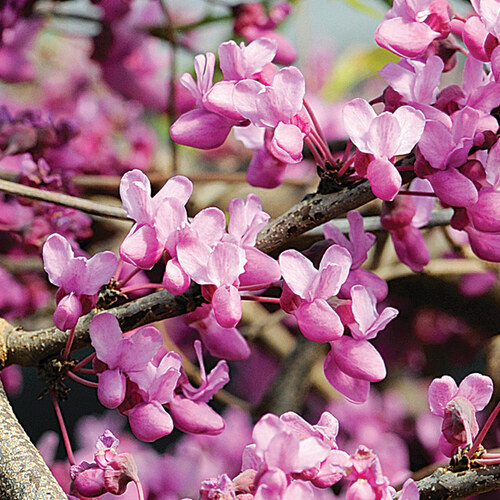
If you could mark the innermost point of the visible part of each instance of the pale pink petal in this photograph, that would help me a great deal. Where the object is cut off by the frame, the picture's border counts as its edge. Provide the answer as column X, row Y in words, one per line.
column 412, row 124
column 287, row 143
column 477, row 388
column 383, row 137
column 170, row 217
column 244, row 99
column 225, row 264
column 257, row 54
column 231, row 61
column 290, row 83
column 441, row 392
column 436, row 143
column 318, row 321
column 385, row 180
column 359, row 359
column 209, row 224
column 220, row 100
column 354, row 389
column 330, row 284
column 363, row 307
column 57, row 259
column 298, row 271
column 265, row 429
column 201, row 129
column 193, row 256
column 358, row 115
column 410, row 490
column 99, row 270
column 474, row 35
column 404, row 38
column 135, row 193
column 178, row 187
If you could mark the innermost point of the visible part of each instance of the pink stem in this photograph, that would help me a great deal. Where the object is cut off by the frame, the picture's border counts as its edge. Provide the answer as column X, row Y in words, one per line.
column 81, row 380
column 84, row 361
column 315, row 121
column 64, row 432
column 347, row 151
column 484, row 430
column 69, row 343
column 87, row 371
column 317, row 158
column 270, row 300
column 262, row 286
column 146, row 286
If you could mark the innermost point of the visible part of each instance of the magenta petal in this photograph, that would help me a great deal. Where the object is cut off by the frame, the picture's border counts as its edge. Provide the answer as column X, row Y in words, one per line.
column 385, row 180
column 265, row 170
column 287, row 143
column 150, row 421
column 260, row 268
column 226, row 343
column 226, row 302
column 485, row 214
column 359, row 359
column 318, row 321
column 354, row 389
column 474, row 35
column 198, row 418
column 140, row 348
column 141, row 247
column 175, row 279
column 477, row 388
column 111, row 390
column 68, row 312
column 201, row 129
column 441, row 391
column 485, row 245
column 405, row 38
column 106, row 336
column 453, row 188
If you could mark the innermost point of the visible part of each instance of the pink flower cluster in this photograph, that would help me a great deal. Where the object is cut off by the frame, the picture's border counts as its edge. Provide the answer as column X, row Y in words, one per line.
column 290, row 459
column 137, row 376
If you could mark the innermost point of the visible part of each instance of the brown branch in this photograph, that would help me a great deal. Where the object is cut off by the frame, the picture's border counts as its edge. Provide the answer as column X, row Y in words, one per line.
column 446, row 485
column 23, row 473
column 87, row 206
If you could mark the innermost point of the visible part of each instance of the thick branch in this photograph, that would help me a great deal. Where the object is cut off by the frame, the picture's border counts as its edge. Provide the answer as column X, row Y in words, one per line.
column 446, row 485
column 23, row 473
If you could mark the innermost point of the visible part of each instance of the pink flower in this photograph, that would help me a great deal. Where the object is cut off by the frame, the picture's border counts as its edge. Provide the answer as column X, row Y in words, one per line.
column 457, row 406
column 157, row 217
column 382, row 137
column 119, row 356
column 306, row 291
column 412, row 25
column 79, row 278
column 277, row 107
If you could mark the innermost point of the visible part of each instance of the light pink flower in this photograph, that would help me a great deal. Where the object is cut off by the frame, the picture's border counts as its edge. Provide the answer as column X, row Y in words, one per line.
column 382, row 137
column 457, row 406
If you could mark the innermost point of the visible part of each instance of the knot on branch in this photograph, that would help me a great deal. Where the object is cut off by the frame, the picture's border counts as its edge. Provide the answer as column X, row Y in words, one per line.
column 52, row 372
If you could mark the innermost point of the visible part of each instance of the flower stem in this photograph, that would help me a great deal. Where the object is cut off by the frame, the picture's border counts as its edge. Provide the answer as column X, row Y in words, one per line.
column 64, row 432
column 82, row 381
column 129, row 277
column 69, row 343
column 484, row 430
column 83, row 362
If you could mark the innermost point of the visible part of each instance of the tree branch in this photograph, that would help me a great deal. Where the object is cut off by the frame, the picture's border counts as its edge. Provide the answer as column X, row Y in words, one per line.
column 446, row 485
column 23, row 473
